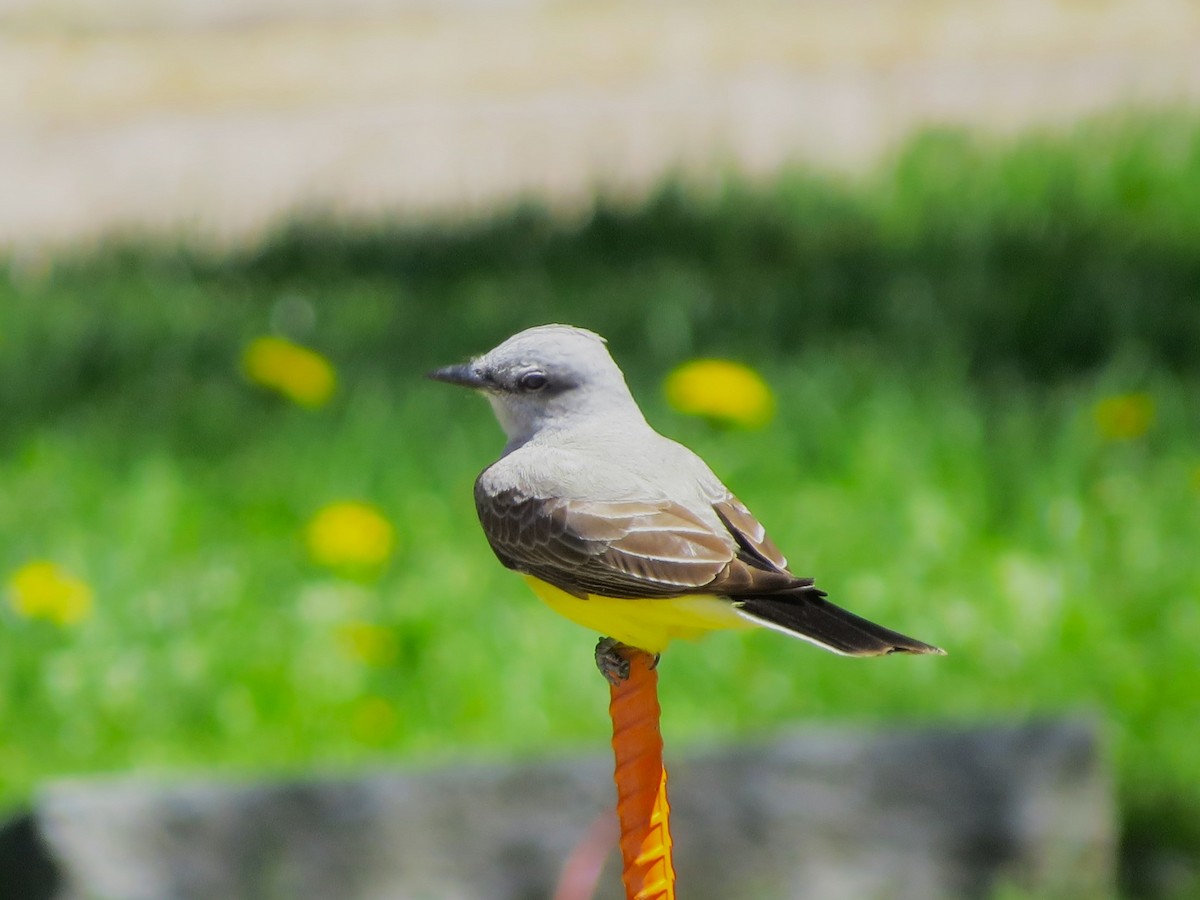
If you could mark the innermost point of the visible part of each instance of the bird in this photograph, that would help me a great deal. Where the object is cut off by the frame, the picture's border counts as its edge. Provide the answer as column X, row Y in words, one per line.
column 621, row 529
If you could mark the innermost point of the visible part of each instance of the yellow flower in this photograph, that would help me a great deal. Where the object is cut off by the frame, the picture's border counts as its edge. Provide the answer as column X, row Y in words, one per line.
column 1123, row 417
column 302, row 375
column 42, row 590
column 372, row 644
column 722, row 390
column 372, row 720
column 350, row 535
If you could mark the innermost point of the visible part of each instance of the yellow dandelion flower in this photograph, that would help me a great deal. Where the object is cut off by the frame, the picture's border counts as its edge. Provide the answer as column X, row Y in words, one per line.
column 372, row 644
column 43, row 590
column 350, row 535
column 372, row 720
column 718, row 389
column 1123, row 417
column 300, row 374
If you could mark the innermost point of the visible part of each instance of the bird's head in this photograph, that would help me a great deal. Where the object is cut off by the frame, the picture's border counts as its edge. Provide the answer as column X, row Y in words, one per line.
column 551, row 376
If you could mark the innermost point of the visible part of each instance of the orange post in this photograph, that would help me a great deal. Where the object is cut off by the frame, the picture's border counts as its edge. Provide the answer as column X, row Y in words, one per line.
column 642, row 806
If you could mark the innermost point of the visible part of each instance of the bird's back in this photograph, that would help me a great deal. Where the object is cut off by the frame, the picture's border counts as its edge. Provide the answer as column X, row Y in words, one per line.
column 598, row 462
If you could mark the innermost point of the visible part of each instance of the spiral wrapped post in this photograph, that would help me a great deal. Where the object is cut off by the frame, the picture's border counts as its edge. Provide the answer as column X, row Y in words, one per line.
column 641, row 780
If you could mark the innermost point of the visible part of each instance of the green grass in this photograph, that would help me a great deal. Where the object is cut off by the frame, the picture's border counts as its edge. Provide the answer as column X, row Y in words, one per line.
column 937, row 352
column 1058, row 569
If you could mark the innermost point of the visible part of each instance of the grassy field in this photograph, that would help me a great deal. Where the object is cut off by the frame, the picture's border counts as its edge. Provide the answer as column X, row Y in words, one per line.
column 988, row 436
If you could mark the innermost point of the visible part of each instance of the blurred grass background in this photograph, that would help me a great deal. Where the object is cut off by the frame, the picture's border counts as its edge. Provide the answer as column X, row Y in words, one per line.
column 988, row 436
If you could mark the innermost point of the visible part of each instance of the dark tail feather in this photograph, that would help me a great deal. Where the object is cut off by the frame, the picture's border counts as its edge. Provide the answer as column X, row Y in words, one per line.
column 807, row 614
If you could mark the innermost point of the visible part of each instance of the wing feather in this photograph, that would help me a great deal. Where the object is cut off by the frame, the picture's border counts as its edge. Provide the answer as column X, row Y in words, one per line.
column 632, row 549
column 749, row 533
column 622, row 549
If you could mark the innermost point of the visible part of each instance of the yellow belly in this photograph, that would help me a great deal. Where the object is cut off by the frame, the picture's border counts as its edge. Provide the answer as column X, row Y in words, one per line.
column 646, row 624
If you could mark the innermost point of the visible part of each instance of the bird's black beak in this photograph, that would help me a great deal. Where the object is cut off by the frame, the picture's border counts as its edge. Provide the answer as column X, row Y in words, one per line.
column 464, row 374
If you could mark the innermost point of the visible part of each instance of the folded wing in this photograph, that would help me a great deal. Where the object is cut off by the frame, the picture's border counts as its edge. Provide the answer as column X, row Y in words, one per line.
column 658, row 548
column 632, row 549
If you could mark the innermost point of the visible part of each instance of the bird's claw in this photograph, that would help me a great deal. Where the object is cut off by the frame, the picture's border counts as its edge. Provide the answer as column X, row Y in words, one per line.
column 613, row 665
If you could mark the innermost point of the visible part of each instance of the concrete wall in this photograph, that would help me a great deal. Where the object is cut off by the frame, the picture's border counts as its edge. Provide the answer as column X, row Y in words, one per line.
column 216, row 119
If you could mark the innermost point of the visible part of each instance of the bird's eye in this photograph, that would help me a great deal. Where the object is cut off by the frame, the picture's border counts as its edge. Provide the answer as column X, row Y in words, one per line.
column 532, row 381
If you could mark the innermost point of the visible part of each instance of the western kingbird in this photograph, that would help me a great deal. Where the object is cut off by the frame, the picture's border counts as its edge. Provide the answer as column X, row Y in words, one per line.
column 620, row 529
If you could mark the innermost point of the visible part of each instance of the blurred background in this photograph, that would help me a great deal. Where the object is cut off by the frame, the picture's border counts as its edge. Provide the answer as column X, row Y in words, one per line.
column 948, row 251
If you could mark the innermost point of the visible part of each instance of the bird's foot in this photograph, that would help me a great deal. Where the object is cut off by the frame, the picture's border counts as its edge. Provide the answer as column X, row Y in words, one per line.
column 613, row 665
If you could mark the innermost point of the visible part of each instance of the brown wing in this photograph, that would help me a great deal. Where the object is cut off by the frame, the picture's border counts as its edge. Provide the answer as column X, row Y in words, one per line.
column 749, row 533
column 632, row 549
column 618, row 549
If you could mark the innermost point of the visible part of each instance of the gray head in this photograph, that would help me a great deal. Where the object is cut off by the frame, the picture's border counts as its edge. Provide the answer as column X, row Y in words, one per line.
column 549, row 377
